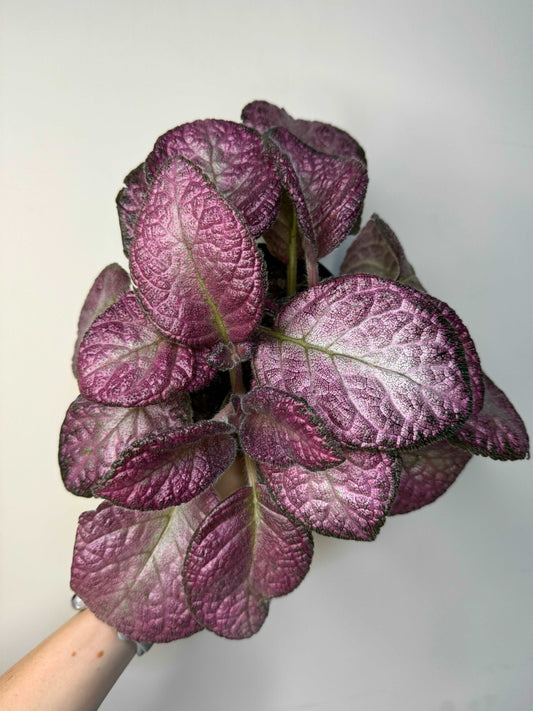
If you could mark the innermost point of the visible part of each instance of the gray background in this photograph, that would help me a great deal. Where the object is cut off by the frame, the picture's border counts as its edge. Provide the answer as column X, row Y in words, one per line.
column 436, row 614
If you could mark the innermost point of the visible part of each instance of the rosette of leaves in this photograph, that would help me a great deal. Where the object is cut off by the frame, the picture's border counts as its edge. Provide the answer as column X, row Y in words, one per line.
column 234, row 398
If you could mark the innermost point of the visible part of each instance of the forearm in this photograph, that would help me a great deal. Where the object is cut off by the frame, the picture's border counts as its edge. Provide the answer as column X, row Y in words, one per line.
column 72, row 670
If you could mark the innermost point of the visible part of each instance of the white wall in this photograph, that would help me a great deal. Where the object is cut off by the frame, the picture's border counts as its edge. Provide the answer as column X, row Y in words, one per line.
column 436, row 614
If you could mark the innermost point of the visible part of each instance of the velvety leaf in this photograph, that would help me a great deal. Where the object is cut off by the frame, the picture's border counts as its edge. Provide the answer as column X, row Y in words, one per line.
column 244, row 553
column 93, row 436
column 290, row 223
column 169, row 468
column 196, row 268
column 226, row 356
column 497, row 431
column 377, row 250
column 475, row 374
column 124, row 360
column 350, row 500
column 427, row 473
column 112, row 283
column 127, row 567
column 374, row 358
column 321, row 136
column 327, row 192
column 232, row 157
column 129, row 202
column 282, row 429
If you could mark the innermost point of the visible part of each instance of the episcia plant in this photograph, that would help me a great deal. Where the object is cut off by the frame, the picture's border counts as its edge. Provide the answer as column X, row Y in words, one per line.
column 236, row 397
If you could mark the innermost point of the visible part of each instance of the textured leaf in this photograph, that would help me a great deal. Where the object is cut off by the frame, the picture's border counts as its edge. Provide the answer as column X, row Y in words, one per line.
column 321, row 136
column 244, row 553
column 497, row 431
column 427, row 473
column 196, row 268
column 170, row 468
column 327, row 192
column 127, row 567
column 112, row 283
column 376, row 250
column 350, row 500
column 232, row 157
column 282, row 429
column 475, row 374
column 124, row 360
column 129, row 203
column 226, row 356
column 374, row 358
column 93, row 436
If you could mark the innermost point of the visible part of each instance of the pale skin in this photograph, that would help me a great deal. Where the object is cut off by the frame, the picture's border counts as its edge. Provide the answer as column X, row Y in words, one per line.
column 72, row 670
column 75, row 668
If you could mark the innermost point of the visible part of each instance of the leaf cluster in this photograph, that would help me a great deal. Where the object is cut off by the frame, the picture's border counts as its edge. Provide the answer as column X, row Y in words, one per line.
column 235, row 397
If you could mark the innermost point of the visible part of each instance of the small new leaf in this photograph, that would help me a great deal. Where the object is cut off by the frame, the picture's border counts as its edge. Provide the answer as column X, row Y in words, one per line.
column 282, row 429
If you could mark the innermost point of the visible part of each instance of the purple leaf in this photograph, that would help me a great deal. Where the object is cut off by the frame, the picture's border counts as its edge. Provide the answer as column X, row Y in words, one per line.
column 350, row 500
column 376, row 250
column 93, row 436
column 170, row 468
column 426, row 474
column 124, row 360
column 226, row 356
column 244, row 553
column 374, row 358
column 327, row 192
column 232, row 157
column 475, row 373
column 321, row 136
column 497, row 431
column 112, row 283
column 127, row 567
column 129, row 202
column 282, row 429
column 197, row 270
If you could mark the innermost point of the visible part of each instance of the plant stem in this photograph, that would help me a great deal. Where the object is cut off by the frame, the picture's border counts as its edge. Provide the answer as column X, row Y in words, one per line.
column 237, row 384
column 293, row 255
column 311, row 264
column 251, row 471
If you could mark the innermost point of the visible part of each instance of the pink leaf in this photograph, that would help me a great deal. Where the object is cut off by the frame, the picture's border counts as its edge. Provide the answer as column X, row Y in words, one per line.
column 170, row 468
column 497, row 431
column 124, row 360
column 374, row 358
column 196, row 268
column 327, row 191
column 282, row 429
column 350, row 500
column 319, row 135
column 243, row 554
column 127, row 567
column 232, row 157
column 112, row 283
column 93, row 436
column 129, row 203
column 427, row 473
